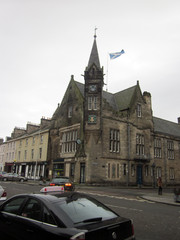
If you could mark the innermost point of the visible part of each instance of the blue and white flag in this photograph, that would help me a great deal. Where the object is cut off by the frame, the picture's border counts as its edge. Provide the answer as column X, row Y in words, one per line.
column 117, row 54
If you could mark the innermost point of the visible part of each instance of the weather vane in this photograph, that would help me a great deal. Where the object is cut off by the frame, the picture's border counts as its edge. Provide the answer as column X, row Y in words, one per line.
column 95, row 32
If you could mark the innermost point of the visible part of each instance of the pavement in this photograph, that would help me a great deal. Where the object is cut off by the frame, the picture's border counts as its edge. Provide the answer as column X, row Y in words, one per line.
column 165, row 198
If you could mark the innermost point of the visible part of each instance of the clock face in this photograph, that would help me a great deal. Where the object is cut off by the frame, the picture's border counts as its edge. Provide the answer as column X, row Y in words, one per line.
column 93, row 88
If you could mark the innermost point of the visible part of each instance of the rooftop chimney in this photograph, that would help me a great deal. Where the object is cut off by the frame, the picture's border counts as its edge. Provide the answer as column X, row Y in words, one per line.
column 178, row 120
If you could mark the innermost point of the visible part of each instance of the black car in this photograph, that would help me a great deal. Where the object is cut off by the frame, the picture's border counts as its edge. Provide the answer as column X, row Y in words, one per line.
column 63, row 181
column 60, row 216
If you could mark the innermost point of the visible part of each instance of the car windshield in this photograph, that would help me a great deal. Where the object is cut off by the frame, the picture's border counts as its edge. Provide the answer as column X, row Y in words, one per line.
column 60, row 180
column 83, row 210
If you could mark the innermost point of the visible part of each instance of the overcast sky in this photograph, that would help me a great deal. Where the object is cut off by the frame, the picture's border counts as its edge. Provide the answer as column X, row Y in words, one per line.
column 44, row 42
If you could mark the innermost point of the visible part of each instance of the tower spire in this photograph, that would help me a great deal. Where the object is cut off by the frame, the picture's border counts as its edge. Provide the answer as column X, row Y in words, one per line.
column 94, row 56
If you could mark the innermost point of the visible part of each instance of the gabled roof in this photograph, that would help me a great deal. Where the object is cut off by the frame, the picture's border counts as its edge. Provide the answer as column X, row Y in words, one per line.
column 123, row 99
column 167, row 127
column 81, row 87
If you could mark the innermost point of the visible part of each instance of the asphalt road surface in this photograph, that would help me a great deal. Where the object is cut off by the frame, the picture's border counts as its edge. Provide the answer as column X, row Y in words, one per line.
column 152, row 221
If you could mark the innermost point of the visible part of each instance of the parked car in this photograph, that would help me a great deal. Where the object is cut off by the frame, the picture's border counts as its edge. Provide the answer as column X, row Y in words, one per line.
column 61, row 215
column 13, row 177
column 3, row 194
column 2, row 173
column 63, row 181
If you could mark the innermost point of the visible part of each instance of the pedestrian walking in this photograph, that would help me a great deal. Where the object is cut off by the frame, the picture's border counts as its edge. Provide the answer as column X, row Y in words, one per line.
column 159, row 183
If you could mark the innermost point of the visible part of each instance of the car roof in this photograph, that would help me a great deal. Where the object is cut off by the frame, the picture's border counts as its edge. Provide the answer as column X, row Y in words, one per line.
column 53, row 197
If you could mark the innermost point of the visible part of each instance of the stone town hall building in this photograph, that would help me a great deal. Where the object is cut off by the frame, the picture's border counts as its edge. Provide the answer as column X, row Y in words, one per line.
column 99, row 137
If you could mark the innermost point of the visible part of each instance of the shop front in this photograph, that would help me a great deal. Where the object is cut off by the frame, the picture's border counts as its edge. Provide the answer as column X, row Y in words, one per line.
column 31, row 170
column 58, row 167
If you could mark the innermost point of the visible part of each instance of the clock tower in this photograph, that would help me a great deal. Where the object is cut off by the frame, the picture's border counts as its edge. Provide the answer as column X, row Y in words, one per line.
column 93, row 91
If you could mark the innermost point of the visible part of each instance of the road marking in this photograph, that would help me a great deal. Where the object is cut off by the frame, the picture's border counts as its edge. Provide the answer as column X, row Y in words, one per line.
column 138, row 199
column 126, row 208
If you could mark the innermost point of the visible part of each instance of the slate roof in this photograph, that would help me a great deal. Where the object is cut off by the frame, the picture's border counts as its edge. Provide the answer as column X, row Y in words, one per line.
column 109, row 97
column 81, row 87
column 123, row 99
column 167, row 127
column 118, row 101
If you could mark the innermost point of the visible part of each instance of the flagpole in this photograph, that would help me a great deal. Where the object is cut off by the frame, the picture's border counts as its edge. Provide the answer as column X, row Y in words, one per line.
column 112, row 56
column 107, row 72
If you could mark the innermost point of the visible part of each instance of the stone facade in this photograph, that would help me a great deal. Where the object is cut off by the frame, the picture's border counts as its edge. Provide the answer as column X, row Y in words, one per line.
column 100, row 137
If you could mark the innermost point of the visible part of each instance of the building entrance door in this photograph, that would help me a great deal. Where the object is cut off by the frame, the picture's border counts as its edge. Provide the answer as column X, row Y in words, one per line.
column 82, row 173
column 23, row 170
column 139, row 175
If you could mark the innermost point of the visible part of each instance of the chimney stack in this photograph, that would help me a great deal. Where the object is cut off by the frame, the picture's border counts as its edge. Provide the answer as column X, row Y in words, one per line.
column 178, row 120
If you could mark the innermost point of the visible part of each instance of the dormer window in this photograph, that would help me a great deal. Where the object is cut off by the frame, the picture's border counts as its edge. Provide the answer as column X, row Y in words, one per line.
column 139, row 110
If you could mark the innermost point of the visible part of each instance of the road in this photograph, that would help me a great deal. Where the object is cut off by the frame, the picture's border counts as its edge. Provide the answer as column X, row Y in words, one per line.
column 152, row 221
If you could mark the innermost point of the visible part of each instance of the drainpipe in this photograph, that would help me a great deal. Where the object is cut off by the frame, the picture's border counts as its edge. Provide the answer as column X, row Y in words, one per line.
column 165, row 161
column 128, row 145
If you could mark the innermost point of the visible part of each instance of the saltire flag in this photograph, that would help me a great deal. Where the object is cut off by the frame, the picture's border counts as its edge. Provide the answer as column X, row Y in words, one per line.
column 117, row 54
